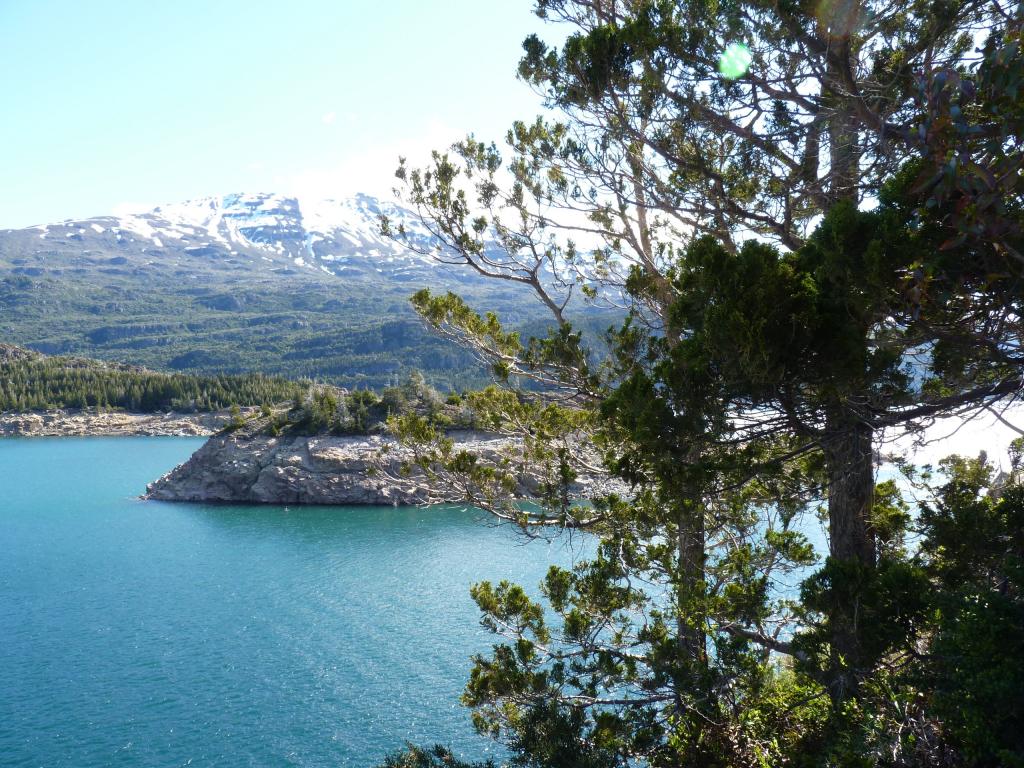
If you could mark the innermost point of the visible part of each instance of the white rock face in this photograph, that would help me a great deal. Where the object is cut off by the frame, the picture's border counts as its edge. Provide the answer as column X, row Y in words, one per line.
column 233, row 467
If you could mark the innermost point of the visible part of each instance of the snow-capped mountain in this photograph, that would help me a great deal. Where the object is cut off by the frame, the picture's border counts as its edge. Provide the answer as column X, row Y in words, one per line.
column 263, row 282
column 271, row 232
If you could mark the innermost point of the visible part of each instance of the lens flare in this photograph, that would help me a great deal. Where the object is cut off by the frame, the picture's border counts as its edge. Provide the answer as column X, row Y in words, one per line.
column 735, row 61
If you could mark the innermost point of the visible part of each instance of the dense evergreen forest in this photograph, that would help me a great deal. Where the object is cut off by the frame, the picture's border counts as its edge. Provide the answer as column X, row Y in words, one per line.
column 32, row 381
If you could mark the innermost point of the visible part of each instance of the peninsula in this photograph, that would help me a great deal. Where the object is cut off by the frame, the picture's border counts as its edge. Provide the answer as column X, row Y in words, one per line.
column 234, row 466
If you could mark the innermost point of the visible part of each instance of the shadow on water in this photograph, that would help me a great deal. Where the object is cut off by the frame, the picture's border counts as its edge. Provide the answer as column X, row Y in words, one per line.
column 335, row 527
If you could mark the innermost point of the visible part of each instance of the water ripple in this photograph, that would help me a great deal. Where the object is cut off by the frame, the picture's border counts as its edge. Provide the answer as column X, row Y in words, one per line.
column 156, row 634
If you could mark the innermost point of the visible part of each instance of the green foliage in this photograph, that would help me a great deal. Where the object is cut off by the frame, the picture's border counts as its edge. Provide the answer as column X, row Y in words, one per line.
column 973, row 547
column 436, row 757
column 414, row 394
column 973, row 121
column 325, row 409
column 319, row 410
column 886, row 604
column 237, row 421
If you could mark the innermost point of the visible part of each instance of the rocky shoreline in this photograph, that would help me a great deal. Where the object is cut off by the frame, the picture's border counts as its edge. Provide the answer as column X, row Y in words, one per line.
column 69, row 423
column 316, row 470
column 239, row 466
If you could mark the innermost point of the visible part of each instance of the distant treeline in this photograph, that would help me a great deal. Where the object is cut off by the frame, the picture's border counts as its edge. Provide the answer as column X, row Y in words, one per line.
column 35, row 382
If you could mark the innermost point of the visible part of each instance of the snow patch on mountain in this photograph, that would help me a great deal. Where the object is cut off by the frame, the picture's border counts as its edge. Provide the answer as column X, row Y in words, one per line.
column 266, row 234
column 322, row 235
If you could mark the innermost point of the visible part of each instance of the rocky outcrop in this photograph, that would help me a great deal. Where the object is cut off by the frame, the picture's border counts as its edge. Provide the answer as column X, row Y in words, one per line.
column 90, row 423
column 9, row 353
column 260, row 469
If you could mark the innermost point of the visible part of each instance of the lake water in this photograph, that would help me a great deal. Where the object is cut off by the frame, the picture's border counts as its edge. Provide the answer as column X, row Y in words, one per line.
column 149, row 634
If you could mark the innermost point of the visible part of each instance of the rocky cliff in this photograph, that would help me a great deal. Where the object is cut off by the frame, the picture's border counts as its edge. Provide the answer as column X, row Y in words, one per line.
column 236, row 467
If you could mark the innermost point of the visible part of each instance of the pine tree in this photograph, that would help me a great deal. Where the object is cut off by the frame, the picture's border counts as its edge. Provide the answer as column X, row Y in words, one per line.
column 772, row 322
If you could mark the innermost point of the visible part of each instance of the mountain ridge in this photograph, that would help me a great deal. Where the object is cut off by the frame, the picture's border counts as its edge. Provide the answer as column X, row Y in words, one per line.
column 286, row 231
column 246, row 282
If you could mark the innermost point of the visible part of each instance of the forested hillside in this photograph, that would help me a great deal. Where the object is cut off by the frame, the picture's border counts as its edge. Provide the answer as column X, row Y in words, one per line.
column 243, row 284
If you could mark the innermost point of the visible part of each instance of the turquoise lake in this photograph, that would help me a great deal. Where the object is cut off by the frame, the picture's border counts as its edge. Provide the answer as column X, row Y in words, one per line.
column 140, row 633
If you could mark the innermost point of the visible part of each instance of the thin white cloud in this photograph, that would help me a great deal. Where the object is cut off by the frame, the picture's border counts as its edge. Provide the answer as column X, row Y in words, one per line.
column 329, row 118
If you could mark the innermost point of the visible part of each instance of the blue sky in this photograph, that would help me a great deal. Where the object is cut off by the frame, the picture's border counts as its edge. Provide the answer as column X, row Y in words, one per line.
column 112, row 103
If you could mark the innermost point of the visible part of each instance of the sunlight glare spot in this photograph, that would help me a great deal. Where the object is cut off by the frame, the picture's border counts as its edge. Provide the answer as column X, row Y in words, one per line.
column 735, row 61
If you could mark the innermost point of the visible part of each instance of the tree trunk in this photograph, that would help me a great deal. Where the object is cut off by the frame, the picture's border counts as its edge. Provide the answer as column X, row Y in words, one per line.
column 691, row 638
column 851, row 492
column 690, row 671
column 691, row 549
column 843, row 137
column 849, row 449
column 851, row 541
